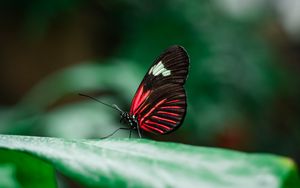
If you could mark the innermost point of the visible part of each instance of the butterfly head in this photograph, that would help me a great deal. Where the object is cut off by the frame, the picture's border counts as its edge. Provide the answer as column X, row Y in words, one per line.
column 128, row 119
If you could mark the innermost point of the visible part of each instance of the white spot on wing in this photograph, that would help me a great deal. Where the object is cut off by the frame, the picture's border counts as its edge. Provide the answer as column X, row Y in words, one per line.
column 151, row 69
column 158, row 69
column 166, row 73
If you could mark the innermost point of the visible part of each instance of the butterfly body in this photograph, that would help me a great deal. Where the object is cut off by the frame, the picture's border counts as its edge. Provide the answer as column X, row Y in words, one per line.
column 128, row 119
column 159, row 105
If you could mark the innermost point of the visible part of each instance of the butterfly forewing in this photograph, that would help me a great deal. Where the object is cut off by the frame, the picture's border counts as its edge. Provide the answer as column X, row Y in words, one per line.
column 160, row 101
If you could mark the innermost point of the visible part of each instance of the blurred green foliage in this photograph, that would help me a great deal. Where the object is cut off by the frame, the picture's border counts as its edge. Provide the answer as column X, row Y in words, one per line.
column 242, row 93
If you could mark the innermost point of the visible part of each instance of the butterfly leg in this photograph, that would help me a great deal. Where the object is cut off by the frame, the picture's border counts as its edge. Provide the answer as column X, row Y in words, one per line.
column 130, row 131
column 139, row 131
column 121, row 128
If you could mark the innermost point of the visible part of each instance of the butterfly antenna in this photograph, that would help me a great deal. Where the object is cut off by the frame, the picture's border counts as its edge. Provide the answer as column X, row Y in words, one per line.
column 116, row 107
column 111, row 106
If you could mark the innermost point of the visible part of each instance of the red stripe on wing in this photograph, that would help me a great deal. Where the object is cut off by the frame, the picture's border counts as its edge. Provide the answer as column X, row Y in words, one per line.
column 158, row 124
column 153, row 128
column 151, row 110
column 140, row 110
column 146, row 129
column 167, row 113
column 170, row 107
column 138, row 99
column 164, row 119
column 173, row 101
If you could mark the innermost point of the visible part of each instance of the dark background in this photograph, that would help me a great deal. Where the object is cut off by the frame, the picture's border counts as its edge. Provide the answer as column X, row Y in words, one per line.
column 243, row 87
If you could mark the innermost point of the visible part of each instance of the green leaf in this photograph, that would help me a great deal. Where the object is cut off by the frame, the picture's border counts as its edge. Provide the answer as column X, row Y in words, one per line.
column 19, row 169
column 8, row 176
column 146, row 163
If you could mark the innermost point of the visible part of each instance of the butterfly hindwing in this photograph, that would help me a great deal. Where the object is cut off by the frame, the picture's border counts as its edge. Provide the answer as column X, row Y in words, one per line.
column 167, row 111
column 160, row 101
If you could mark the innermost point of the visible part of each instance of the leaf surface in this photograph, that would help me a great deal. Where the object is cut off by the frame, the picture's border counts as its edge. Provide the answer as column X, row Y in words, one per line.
column 146, row 163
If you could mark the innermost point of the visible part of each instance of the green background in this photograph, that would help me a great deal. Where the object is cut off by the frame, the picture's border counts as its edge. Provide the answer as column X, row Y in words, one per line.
column 243, row 87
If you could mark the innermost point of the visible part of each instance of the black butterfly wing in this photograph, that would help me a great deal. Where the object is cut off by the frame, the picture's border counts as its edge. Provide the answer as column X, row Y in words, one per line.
column 160, row 101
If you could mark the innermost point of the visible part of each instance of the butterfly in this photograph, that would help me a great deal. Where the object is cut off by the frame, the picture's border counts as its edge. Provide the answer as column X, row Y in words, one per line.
column 159, row 104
